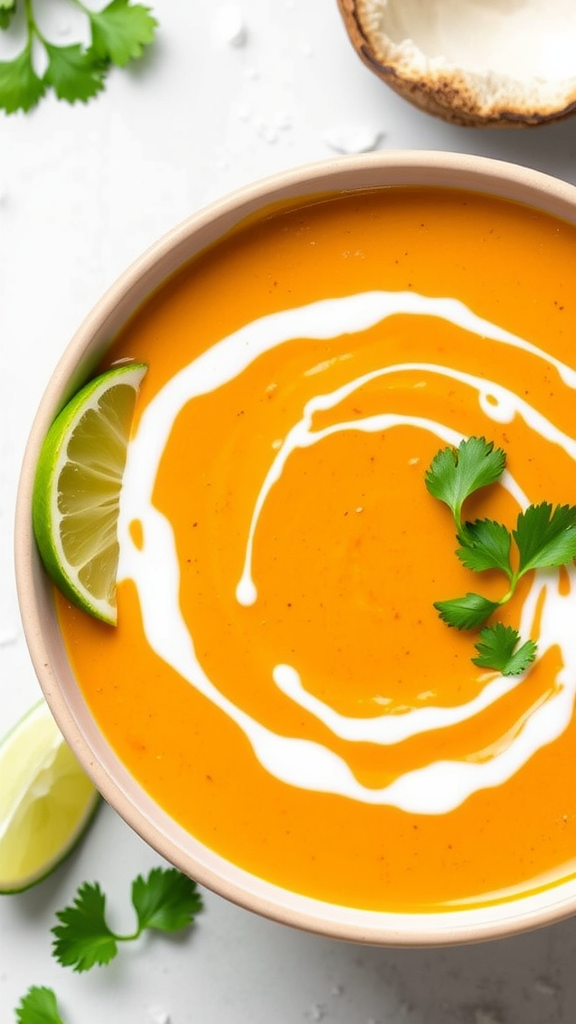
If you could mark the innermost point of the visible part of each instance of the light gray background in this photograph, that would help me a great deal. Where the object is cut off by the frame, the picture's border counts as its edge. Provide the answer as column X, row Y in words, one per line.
column 83, row 190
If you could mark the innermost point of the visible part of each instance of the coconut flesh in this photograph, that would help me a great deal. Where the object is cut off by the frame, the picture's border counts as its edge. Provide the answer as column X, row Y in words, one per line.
column 472, row 61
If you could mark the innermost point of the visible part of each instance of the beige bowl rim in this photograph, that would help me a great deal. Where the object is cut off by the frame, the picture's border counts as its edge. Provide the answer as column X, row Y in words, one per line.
column 34, row 593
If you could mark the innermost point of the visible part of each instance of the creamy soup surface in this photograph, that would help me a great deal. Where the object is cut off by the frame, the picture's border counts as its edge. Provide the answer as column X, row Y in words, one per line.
column 279, row 680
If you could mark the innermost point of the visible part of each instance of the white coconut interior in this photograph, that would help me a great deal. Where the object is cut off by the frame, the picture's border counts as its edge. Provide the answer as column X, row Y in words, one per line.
column 528, row 41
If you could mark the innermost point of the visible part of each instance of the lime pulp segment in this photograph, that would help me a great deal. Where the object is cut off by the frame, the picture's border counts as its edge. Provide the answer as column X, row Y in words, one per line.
column 46, row 801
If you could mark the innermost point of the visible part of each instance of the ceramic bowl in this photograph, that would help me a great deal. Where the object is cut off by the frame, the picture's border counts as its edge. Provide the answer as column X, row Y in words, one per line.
column 36, row 597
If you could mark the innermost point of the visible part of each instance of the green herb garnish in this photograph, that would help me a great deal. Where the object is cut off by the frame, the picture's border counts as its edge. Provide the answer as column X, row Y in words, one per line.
column 498, row 648
column 118, row 33
column 545, row 537
column 455, row 474
column 166, row 901
column 38, row 1006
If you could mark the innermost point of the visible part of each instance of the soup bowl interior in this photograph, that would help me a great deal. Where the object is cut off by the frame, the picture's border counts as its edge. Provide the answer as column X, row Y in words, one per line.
column 36, row 598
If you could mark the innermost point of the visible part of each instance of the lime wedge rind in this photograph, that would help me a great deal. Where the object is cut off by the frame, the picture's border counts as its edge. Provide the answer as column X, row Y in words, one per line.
column 77, row 489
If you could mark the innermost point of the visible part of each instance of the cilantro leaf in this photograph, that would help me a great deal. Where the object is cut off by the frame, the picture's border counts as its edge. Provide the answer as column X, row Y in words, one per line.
column 167, row 900
column 485, row 545
column 83, row 938
column 38, row 1006
column 545, row 536
column 119, row 34
column 20, row 86
column 498, row 649
column 455, row 474
column 73, row 73
column 7, row 9
column 466, row 612
column 121, row 31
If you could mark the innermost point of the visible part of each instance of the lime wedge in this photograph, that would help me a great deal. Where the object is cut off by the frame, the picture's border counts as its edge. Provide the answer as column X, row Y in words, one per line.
column 46, row 801
column 77, row 489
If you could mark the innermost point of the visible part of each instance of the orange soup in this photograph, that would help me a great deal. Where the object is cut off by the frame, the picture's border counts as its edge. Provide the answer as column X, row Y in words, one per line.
column 279, row 680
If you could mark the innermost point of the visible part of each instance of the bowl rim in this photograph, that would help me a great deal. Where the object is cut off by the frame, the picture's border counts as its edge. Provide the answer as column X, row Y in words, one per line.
column 145, row 274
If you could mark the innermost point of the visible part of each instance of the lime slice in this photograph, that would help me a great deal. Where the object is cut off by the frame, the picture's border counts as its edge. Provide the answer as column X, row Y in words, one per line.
column 46, row 800
column 77, row 489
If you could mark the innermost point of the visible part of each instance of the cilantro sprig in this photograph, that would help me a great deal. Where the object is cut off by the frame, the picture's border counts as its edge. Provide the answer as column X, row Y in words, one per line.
column 166, row 901
column 544, row 537
column 119, row 33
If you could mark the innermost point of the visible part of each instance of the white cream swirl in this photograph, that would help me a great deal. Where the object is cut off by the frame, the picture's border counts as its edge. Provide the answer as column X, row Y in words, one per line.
column 439, row 786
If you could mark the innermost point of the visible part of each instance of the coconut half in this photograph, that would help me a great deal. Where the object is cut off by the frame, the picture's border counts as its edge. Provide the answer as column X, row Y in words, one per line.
column 498, row 63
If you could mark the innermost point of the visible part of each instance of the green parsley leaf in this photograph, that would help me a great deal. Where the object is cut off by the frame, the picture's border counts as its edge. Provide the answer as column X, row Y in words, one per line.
column 498, row 649
column 20, row 86
column 38, row 1006
column 455, row 474
column 167, row 900
column 486, row 545
column 466, row 612
column 73, row 73
column 83, row 938
column 546, row 537
column 121, row 31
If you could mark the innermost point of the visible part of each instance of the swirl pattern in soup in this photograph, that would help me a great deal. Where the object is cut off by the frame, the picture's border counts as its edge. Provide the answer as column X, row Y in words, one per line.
column 279, row 679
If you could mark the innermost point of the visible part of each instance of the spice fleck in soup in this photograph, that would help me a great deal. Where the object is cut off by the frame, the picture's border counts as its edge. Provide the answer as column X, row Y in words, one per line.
column 279, row 680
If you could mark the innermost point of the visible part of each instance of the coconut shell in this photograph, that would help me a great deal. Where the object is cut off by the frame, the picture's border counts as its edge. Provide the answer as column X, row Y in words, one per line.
column 456, row 95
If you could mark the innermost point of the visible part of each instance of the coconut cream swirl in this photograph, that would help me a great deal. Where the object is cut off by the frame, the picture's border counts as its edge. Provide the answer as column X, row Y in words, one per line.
column 437, row 787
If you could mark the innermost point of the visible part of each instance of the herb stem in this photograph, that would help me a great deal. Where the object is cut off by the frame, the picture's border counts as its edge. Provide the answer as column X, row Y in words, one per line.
column 31, row 26
column 510, row 592
column 128, row 938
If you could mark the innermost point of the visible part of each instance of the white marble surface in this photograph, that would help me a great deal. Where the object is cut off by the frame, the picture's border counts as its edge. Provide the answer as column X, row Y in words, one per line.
column 83, row 190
